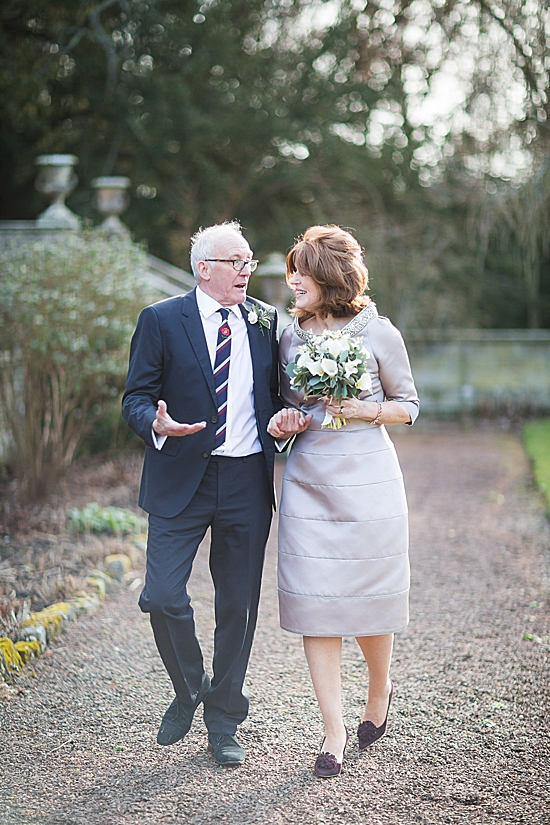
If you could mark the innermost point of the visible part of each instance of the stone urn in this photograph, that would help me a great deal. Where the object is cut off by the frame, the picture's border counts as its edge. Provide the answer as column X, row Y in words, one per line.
column 111, row 199
column 57, row 179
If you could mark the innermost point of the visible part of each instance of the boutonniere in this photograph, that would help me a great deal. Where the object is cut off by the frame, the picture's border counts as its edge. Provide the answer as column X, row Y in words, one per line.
column 259, row 315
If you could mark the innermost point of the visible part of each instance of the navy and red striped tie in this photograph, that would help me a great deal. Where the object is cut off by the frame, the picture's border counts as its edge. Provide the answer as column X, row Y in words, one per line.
column 221, row 375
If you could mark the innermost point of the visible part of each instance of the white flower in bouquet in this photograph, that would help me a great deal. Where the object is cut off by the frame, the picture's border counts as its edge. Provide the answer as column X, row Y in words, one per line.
column 364, row 383
column 350, row 368
column 331, row 365
column 305, row 361
column 335, row 347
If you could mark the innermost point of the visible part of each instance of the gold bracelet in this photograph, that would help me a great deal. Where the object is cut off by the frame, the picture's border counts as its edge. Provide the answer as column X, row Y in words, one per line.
column 378, row 415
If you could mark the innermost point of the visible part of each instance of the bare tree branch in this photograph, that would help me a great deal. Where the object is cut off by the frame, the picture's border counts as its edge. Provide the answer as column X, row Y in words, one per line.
column 112, row 154
column 75, row 40
column 529, row 74
column 106, row 42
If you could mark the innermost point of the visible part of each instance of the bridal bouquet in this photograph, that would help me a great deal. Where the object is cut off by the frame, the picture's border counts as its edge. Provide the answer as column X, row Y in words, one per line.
column 330, row 365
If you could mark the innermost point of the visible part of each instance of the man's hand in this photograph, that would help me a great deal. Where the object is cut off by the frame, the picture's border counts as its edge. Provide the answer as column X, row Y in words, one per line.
column 165, row 424
column 287, row 423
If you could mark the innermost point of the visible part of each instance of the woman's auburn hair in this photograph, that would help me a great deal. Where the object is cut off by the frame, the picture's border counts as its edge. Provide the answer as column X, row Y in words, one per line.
column 334, row 259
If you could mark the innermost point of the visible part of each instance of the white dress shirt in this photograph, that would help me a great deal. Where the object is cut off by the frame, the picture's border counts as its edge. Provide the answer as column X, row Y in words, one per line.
column 241, row 433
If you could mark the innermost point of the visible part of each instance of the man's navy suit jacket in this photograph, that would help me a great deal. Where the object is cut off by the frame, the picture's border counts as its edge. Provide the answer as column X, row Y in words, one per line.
column 169, row 360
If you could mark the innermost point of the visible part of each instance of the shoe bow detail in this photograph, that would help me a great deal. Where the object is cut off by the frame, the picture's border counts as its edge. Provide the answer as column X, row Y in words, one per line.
column 326, row 765
column 367, row 733
column 326, row 760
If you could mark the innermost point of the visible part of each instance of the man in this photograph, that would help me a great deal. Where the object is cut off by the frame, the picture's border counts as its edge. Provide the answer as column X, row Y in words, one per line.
column 210, row 359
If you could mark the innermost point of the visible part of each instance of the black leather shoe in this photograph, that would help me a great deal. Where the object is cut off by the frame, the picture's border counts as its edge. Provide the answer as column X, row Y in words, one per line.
column 179, row 716
column 227, row 750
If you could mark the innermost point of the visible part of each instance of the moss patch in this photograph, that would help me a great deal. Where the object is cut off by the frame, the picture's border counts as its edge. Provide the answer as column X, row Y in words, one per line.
column 28, row 650
column 10, row 660
column 51, row 619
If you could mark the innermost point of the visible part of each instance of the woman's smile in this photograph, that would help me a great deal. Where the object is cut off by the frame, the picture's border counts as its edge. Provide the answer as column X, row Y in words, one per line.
column 306, row 292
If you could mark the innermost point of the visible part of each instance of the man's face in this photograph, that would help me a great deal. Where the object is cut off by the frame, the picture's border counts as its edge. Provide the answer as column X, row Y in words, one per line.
column 219, row 279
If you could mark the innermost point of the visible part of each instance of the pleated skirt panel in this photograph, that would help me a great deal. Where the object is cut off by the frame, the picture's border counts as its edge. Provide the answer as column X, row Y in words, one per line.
column 343, row 535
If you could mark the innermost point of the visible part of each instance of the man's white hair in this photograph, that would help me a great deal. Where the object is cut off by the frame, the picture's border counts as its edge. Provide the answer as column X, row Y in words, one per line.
column 204, row 242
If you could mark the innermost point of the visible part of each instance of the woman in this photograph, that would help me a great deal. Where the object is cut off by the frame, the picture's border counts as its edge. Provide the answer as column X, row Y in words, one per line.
column 343, row 531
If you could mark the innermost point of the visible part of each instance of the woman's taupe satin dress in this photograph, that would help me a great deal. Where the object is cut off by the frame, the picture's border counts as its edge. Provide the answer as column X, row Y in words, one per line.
column 343, row 527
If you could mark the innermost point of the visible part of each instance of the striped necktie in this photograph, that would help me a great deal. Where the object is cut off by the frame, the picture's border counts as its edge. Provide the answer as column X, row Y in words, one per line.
column 221, row 375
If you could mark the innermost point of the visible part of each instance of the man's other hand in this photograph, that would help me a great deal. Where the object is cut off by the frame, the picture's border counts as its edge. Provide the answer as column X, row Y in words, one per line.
column 164, row 424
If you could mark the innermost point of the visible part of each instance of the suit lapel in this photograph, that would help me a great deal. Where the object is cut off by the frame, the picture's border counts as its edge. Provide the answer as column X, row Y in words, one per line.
column 195, row 332
column 260, row 347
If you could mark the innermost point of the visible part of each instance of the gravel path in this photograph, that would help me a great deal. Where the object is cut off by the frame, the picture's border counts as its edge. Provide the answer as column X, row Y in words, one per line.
column 468, row 737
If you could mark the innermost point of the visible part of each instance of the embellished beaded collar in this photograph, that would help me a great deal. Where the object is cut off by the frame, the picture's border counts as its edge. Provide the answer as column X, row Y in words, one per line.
column 354, row 326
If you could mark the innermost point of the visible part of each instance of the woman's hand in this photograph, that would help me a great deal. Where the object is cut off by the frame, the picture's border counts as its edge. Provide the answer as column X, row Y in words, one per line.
column 392, row 411
column 352, row 408
column 287, row 423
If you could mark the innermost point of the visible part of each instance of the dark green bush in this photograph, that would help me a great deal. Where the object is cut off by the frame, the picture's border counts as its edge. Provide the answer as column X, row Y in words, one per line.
column 67, row 310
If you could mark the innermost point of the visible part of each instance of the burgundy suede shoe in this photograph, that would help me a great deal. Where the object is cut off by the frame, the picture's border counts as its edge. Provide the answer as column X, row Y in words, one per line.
column 326, row 764
column 367, row 732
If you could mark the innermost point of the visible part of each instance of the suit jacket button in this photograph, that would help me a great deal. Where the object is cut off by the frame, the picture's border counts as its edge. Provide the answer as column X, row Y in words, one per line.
column 214, row 419
column 206, row 455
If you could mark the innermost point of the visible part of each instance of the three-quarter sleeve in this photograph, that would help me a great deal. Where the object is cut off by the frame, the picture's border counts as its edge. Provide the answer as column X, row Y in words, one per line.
column 396, row 378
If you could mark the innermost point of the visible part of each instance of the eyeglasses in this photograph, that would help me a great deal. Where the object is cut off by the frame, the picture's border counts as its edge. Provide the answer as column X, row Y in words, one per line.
column 238, row 263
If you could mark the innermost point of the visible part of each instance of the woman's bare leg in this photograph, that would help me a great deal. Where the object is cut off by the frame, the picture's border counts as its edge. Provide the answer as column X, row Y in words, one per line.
column 323, row 657
column 377, row 651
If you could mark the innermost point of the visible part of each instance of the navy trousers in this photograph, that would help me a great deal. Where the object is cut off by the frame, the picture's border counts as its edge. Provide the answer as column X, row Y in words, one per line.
column 234, row 500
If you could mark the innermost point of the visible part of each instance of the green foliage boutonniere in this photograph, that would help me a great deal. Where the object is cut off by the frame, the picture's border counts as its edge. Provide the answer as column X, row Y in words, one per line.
column 259, row 315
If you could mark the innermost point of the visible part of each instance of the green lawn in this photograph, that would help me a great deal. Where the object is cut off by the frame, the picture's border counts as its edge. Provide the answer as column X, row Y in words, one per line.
column 537, row 442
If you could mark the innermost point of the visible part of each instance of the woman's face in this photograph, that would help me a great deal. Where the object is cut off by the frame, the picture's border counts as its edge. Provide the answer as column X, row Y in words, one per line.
column 308, row 294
